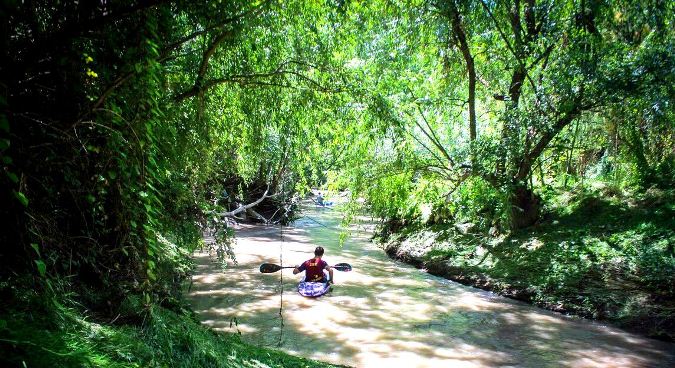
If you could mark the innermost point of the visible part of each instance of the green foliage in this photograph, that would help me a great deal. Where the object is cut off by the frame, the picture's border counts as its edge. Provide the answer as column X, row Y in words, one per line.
column 127, row 127
column 50, row 331
column 428, row 202
column 557, row 88
column 476, row 200
column 130, row 121
column 390, row 196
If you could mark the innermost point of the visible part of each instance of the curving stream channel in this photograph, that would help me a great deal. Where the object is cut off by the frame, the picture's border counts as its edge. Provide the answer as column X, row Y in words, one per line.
column 388, row 313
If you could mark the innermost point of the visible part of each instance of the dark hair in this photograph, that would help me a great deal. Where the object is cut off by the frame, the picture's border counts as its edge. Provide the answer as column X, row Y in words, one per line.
column 318, row 251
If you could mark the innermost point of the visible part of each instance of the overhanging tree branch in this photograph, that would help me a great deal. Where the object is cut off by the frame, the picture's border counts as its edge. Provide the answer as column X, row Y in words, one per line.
column 166, row 52
column 208, row 53
column 245, row 79
column 243, row 208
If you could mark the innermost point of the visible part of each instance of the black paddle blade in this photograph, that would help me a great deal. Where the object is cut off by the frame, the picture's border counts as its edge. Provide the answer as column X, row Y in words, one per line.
column 269, row 268
column 346, row 267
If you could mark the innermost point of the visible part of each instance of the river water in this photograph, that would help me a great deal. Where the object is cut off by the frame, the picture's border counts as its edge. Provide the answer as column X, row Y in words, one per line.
column 386, row 313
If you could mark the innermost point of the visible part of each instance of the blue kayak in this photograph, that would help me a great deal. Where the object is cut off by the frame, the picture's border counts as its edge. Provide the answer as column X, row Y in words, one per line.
column 313, row 289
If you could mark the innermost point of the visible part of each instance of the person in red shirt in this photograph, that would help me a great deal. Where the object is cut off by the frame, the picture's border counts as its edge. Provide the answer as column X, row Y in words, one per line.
column 314, row 268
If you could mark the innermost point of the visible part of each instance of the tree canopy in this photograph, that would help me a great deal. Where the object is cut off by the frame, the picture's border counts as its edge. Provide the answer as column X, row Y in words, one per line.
column 480, row 94
column 128, row 126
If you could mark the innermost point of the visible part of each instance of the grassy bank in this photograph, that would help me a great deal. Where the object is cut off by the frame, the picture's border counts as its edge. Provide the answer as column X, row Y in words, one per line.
column 596, row 254
column 39, row 331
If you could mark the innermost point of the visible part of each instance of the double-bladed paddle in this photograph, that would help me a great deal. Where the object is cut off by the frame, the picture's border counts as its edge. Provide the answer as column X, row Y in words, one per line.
column 271, row 267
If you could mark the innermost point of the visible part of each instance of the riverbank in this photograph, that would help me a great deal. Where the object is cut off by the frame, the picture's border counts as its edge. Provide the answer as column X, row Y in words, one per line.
column 605, row 258
column 41, row 331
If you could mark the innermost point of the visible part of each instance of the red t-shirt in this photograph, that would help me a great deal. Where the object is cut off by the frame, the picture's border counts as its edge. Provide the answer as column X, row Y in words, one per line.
column 313, row 269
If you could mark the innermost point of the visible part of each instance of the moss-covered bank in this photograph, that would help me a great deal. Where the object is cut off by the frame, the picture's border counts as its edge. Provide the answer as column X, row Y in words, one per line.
column 602, row 257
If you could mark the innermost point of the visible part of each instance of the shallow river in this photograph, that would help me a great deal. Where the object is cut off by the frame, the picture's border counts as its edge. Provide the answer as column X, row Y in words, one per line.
column 385, row 313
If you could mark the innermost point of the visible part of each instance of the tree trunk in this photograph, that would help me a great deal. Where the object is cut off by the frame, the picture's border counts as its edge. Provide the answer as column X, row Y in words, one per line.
column 463, row 45
column 525, row 207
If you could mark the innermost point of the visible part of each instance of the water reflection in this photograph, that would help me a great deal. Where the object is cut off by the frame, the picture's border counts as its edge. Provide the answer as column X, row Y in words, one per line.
column 385, row 312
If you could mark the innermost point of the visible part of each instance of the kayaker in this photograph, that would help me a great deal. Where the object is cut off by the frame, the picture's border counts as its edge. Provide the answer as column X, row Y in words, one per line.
column 321, row 201
column 314, row 268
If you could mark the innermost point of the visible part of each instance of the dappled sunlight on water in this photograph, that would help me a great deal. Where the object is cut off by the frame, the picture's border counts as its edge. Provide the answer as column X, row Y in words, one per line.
column 384, row 312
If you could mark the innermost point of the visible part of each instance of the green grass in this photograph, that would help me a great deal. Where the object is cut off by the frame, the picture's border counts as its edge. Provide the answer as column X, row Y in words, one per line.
column 43, row 332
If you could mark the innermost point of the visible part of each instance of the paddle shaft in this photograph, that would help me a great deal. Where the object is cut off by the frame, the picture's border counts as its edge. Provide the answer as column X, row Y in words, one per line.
column 270, row 267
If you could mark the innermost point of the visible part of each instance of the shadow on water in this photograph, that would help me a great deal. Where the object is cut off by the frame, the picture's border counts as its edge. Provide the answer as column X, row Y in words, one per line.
column 385, row 312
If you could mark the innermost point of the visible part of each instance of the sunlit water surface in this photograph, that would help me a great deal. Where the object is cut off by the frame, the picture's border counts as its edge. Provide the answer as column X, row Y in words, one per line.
column 388, row 314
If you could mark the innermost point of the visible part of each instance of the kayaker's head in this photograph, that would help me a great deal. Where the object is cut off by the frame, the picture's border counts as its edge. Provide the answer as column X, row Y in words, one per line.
column 318, row 252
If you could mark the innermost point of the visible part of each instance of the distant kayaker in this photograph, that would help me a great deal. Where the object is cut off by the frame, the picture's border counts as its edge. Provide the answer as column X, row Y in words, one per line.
column 314, row 268
column 321, row 201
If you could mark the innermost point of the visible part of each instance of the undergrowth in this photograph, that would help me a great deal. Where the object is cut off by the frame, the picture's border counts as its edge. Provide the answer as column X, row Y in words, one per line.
column 50, row 330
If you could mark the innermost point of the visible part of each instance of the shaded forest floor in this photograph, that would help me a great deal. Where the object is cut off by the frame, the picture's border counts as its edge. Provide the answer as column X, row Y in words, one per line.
column 39, row 331
column 596, row 254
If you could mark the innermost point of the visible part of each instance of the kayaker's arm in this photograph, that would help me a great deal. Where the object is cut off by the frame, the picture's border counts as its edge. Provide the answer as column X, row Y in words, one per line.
column 299, row 268
column 330, row 274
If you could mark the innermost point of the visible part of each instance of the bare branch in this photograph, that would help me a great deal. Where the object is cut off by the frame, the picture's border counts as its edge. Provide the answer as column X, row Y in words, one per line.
column 245, row 207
